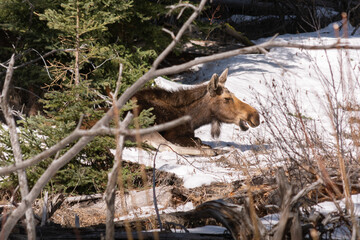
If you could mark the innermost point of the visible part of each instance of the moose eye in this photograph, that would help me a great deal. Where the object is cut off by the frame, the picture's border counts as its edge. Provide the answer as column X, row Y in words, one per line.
column 227, row 100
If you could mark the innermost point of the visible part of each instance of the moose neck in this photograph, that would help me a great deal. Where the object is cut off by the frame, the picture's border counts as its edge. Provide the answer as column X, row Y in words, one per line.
column 199, row 108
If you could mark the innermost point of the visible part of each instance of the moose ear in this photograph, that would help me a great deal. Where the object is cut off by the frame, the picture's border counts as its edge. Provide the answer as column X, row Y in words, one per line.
column 223, row 76
column 213, row 85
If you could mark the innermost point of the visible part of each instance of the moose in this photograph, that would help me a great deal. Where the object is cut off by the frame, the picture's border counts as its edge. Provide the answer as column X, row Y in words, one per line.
column 211, row 103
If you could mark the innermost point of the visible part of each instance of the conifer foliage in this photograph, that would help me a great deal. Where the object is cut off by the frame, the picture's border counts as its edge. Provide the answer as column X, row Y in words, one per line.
column 89, row 40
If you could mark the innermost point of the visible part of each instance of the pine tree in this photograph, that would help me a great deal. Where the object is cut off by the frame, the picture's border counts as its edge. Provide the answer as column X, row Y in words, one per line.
column 98, row 35
column 81, row 25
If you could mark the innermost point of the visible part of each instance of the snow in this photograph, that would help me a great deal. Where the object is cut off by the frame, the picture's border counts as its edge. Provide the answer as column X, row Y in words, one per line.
column 300, row 70
column 194, row 171
column 329, row 207
column 300, row 73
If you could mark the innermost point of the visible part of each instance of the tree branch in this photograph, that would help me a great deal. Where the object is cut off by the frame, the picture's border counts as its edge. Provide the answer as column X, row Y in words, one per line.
column 113, row 176
column 43, row 155
column 39, row 58
column 101, row 130
column 14, row 139
column 247, row 50
column 133, row 132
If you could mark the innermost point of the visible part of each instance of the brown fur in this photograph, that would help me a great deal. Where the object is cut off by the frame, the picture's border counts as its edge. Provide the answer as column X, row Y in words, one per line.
column 212, row 103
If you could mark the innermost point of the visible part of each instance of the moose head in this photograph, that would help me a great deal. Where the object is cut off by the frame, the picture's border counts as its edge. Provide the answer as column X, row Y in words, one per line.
column 225, row 107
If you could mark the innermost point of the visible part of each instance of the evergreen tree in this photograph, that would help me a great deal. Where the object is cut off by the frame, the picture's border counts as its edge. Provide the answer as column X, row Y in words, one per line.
column 81, row 25
column 98, row 36
column 92, row 64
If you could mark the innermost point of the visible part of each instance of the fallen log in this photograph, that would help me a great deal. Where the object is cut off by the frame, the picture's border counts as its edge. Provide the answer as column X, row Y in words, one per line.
column 235, row 218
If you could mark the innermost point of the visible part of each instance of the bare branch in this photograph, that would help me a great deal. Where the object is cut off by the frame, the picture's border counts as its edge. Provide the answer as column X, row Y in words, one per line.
column 6, row 87
column 14, row 139
column 169, row 48
column 154, row 193
column 101, row 130
column 182, row 5
column 118, row 83
column 109, row 195
column 133, row 132
column 43, row 155
column 169, row 32
column 45, row 209
column 247, row 50
column 42, row 57
column 105, row 61
column 305, row 191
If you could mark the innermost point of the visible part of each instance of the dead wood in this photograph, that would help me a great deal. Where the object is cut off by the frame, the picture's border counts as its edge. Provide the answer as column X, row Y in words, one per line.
column 289, row 217
column 290, row 223
column 234, row 217
column 237, row 35
column 82, row 198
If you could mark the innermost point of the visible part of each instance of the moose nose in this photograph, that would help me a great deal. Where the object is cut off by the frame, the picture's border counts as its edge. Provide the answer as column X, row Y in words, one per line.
column 254, row 119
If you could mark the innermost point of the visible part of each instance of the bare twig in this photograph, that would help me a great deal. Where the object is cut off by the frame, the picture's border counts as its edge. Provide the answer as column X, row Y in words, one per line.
column 169, row 32
column 306, row 190
column 247, row 50
column 183, row 6
column 42, row 57
column 46, row 67
column 2, row 65
column 43, row 155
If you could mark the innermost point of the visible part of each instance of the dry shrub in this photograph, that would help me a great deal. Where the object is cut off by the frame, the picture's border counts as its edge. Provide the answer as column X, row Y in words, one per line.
column 322, row 144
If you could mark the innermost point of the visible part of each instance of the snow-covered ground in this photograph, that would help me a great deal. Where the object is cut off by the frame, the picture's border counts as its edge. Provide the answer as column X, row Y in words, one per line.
column 299, row 70
column 304, row 74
